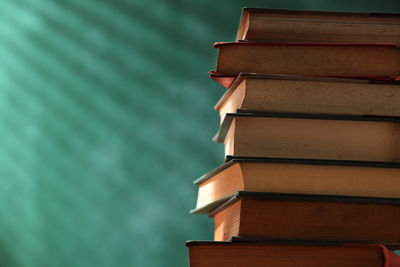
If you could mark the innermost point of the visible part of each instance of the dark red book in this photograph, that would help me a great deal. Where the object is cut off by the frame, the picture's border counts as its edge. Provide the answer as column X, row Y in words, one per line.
column 279, row 216
column 373, row 61
column 289, row 254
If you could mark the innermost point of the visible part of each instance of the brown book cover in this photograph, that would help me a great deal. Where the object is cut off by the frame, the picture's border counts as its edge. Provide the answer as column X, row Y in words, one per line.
column 311, row 137
column 274, row 175
column 308, row 217
column 276, row 25
column 377, row 61
column 288, row 254
column 256, row 92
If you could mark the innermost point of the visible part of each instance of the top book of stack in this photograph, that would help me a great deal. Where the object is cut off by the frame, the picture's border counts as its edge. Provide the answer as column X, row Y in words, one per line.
column 271, row 25
column 312, row 44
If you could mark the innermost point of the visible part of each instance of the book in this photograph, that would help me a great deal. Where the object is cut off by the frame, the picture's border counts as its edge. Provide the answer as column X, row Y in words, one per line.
column 308, row 217
column 311, row 137
column 253, row 92
column 272, row 25
column 296, row 176
column 289, row 254
column 302, row 59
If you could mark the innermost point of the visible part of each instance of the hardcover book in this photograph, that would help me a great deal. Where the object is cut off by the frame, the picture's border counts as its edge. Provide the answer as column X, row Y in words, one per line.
column 311, row 137
column 255, row 93
column 302, row 59
column 308, row 217
column 289, row 254
column 298, row 177
column 274, row 25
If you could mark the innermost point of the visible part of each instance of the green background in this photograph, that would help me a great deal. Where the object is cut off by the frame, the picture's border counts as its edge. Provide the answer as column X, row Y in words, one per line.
column 106, row 118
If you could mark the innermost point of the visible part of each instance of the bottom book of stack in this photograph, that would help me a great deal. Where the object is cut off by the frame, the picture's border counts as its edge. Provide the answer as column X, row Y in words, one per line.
column 289, row 254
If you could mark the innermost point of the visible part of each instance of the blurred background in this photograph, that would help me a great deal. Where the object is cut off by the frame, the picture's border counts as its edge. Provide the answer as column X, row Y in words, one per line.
column 106, row 118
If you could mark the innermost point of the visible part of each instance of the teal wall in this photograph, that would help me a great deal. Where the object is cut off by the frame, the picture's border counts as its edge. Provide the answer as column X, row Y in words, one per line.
column 106, row 117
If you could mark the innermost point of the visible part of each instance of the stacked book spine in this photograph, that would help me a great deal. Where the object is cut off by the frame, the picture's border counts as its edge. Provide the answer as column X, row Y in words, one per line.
column 311, row 127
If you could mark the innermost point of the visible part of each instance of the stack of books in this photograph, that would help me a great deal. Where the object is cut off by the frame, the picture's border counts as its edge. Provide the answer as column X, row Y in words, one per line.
column 311, row 127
